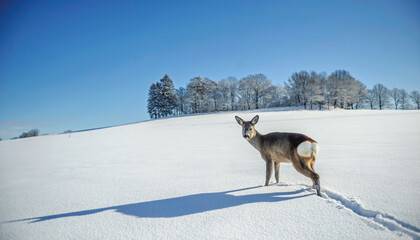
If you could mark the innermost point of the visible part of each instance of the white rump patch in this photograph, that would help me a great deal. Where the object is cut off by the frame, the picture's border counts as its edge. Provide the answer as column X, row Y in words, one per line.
column 315, row 148
column 306, row 149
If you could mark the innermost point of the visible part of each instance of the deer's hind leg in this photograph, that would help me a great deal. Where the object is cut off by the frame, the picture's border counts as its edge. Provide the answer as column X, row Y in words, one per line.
column 303, row 166
column 312, row 162
column 311, row 166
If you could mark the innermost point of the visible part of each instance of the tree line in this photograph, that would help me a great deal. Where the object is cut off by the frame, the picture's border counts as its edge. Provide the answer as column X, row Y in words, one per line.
column 308, row 89
column 31, row 133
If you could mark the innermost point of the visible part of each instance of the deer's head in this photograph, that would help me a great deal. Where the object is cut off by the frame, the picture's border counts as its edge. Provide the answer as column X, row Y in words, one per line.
column 248, row 127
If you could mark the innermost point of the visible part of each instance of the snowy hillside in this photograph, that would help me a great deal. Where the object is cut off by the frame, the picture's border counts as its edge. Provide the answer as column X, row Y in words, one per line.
column 197, row 178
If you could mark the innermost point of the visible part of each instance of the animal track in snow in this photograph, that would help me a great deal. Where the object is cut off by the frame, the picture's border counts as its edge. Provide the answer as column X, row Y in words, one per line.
column 384, row 220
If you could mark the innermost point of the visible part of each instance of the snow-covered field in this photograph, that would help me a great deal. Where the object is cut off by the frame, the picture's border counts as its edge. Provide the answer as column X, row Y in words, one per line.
column 197, row 178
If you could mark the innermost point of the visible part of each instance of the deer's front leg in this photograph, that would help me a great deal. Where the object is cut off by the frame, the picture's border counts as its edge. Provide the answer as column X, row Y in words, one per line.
column 268, row 171
column 277, row 171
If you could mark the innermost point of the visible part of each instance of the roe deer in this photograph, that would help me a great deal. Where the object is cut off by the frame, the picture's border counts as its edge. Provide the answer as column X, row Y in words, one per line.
column 278, row 147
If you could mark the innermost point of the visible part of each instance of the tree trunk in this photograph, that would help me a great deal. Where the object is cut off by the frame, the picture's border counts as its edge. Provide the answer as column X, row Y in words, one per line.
column 256, row 100
column 232, row 103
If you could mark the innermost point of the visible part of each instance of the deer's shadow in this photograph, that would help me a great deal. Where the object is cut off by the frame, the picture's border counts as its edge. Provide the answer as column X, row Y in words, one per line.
column 182, row 206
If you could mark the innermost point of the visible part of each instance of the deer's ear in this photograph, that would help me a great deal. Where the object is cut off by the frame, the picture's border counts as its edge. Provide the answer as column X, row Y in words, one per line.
column 255, row 120
column 239, row 120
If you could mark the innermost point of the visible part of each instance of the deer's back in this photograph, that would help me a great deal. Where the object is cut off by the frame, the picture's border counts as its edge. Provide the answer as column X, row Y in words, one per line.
column 280, row 146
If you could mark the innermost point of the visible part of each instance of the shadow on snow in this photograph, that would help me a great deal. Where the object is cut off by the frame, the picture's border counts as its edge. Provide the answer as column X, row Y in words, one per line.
column 182, row 206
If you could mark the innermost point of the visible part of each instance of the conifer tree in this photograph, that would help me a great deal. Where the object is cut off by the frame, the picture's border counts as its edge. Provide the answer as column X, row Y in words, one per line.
column 167, row 98
column 153, row 101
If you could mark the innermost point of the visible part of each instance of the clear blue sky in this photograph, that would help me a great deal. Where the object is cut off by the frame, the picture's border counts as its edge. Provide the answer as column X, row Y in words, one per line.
column 86, row 64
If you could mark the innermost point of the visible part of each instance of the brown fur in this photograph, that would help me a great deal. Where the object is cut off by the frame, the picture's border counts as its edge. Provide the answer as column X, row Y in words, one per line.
column 280, row 147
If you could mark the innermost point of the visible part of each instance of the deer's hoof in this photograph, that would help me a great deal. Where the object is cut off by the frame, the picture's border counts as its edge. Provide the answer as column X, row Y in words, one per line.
column 318, row 190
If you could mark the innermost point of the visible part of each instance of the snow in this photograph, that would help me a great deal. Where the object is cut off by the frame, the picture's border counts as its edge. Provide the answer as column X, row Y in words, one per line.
column 196, row 177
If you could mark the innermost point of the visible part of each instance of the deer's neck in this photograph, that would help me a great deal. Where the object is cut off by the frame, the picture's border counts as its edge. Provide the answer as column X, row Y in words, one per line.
column 256, row 141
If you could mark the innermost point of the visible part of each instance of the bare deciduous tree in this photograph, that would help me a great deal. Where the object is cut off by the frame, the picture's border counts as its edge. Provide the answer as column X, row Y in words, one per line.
column 245, row 93
column 232, row 84
column 229, row 92
column 199, row 94
column 415, row 96
column 342, row 89
column 371, row 98
column 182, row 96
column 404, row 99
column 214, row 95
column 260, row 86
column 362, row 95
column 395, row 95
column 223, row 94
column 298, row 85
column 316, row 89
column 381, row 95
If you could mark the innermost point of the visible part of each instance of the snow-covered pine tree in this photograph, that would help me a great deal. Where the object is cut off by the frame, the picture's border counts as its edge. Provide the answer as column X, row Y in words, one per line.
column 153, row 101
column 167, row 98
